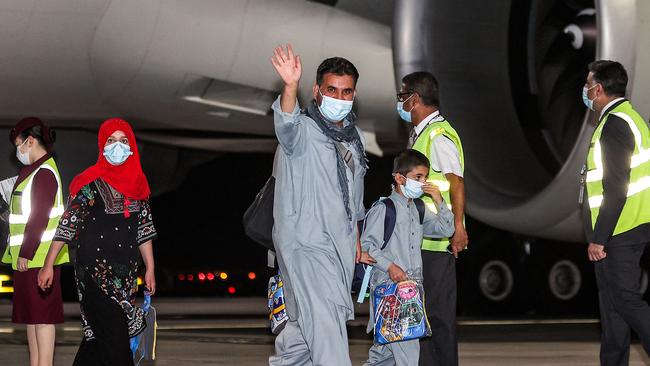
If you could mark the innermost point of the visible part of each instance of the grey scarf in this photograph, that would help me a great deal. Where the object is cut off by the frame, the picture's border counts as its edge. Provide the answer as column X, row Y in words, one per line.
column 347, row 134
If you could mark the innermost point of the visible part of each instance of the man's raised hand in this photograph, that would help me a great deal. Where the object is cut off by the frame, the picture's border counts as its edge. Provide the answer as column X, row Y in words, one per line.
column 287, row 65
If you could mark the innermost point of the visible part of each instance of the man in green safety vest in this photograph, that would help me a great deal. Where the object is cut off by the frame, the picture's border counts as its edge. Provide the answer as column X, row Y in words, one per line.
column 616, row 209
column 434, row 136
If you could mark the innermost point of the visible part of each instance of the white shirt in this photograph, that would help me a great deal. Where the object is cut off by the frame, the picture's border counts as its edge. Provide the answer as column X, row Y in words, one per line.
column 602, row 113
column 444, row 156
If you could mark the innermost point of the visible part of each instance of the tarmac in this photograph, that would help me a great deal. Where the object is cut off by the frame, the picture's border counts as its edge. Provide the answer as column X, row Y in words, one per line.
column 230, row 332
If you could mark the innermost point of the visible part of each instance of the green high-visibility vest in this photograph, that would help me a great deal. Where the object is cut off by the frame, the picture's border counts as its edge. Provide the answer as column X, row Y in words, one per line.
column 423, row 145
column 20, row 209
column 638, row 191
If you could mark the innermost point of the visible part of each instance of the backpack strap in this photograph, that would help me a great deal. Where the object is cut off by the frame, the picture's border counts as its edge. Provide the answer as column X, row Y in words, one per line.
column 389, row 220
column 419, row 204
column 389, row 226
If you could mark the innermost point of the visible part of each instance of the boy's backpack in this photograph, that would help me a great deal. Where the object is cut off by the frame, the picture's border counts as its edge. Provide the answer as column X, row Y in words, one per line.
column 389, row 226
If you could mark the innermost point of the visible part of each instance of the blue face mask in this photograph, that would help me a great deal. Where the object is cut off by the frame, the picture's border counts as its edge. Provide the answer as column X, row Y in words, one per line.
column 334, row 110
column 412, row 189
column 585, row 97
column 404, row 115
column 117, row 153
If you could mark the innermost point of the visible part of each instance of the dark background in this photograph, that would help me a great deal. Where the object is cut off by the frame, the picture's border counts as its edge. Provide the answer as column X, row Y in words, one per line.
column 200, row 224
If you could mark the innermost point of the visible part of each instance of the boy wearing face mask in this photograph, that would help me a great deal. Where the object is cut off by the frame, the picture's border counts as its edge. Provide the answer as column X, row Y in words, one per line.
column 402, row 254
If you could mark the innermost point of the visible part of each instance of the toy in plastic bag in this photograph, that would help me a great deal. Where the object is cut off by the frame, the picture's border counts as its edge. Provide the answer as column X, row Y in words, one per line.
column 143, row 345
column 399, row 312
column 277, row 309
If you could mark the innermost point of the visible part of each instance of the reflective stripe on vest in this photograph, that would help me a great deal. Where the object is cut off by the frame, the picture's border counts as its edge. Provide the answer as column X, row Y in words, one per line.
column 423, row 145
column 22, row 219
column 640, row 157
column 634, row 212
column 26, row 200
column 17, row 240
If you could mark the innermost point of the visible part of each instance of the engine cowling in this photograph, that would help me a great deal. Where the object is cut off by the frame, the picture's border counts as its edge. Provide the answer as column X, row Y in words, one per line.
column 511, row 74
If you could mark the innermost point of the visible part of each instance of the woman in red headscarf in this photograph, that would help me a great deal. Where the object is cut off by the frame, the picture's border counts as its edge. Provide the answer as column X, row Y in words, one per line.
column 109, row 227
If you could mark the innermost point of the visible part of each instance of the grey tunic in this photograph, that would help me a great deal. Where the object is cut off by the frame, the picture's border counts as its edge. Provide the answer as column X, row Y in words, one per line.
column 403, row 249
column 314, row 240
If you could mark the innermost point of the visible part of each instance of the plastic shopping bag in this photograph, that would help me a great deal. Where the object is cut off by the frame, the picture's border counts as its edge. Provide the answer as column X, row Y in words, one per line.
column 399, row 312
column 277, row 309
column 143, row 345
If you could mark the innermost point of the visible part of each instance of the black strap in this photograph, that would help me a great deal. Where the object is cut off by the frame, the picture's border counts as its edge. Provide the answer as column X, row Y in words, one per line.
column 389, row 220
column 345, row 154
column 419, row 204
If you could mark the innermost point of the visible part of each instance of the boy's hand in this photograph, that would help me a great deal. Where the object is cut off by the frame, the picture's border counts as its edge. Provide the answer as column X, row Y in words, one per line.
column 396, row 273
column 367, row 259
column 357, row 256
column 433, row 191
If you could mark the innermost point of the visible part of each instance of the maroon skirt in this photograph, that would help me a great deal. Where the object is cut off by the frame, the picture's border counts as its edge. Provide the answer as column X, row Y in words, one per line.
column 33, row 305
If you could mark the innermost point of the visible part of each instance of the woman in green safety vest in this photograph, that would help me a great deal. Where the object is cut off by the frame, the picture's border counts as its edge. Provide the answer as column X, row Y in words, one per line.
column 35, row 206
column 108, row 222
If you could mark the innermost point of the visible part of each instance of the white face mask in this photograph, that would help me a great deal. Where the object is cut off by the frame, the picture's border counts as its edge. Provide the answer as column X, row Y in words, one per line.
column 585, row 97
column 117, row 153
column 404, row 115
column 334, row 110
column 412, row 189
column 22, row 157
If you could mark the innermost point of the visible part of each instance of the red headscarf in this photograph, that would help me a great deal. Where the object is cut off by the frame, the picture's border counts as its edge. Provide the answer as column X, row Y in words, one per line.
column 128, row 178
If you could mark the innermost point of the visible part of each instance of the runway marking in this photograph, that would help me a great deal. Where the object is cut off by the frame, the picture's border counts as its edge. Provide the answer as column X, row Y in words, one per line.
column 263, row 325
column 71, row 329
column 213, row 326
column 192, row 327
column 529, row 322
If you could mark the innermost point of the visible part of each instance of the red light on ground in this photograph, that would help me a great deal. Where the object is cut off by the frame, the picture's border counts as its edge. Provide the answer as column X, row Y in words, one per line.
column 252, row 275
column 190, row 277
column 201, row 276
column 210, row 276
column 181, row 277
column 231, row 290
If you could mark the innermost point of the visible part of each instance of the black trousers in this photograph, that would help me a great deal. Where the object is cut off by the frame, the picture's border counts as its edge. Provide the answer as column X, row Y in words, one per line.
column 621, row 305
column 439, row 272
column 110, row 347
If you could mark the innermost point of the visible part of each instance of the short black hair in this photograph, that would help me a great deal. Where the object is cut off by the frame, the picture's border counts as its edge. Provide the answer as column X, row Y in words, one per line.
column 611, row 75
column 338, row 66
column 45, row 136
column 425, row 85
column 407, row 160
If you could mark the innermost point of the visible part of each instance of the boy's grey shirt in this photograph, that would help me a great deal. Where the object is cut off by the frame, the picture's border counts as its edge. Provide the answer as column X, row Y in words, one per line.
column 404, row 246
column 315, row 241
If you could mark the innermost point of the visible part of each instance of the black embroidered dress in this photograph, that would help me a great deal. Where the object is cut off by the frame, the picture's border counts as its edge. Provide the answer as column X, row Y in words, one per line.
column 105, row 251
